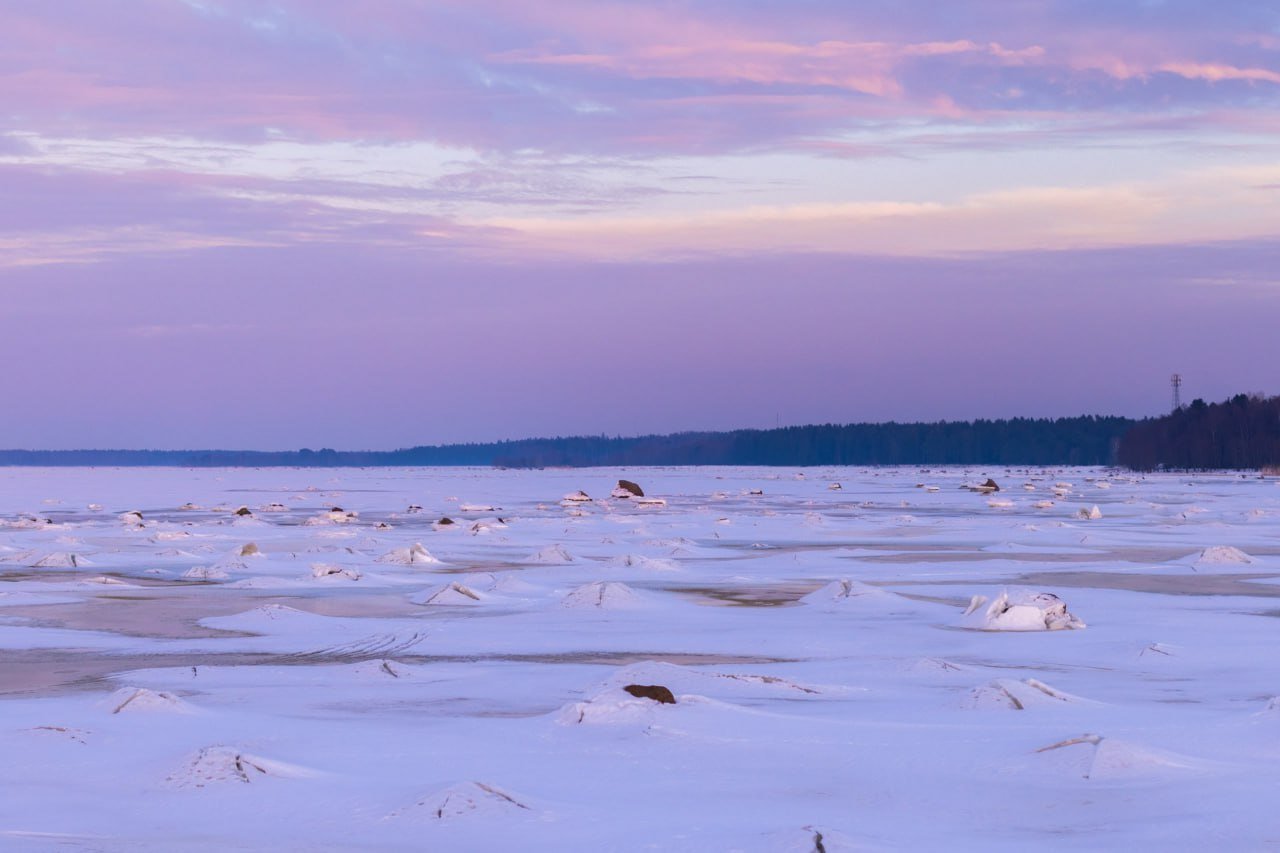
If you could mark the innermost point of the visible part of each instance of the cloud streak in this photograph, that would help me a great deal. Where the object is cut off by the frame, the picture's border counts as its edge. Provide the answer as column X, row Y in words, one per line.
column 604, row 77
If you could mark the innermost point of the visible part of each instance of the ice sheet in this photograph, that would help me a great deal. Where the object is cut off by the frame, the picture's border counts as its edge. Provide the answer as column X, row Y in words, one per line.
column 339, row 670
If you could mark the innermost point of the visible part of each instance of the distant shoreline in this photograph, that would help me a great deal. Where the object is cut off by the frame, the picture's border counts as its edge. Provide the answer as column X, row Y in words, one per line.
column 1086, row 440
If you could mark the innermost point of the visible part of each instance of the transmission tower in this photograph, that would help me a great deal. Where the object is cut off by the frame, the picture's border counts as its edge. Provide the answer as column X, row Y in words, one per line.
column 1176, row 382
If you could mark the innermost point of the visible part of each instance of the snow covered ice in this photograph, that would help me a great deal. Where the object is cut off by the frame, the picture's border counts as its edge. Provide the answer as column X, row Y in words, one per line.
column 887, row 665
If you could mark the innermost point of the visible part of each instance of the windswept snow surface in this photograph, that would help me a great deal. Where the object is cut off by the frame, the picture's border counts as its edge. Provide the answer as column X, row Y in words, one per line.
column 174, row 676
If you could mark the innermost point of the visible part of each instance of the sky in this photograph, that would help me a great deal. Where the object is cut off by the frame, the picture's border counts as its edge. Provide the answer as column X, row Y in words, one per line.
column 250, row 224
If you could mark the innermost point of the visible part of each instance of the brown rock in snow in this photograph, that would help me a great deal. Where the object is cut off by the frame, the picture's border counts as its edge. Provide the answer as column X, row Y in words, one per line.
column 656, row 692
column 633, row 488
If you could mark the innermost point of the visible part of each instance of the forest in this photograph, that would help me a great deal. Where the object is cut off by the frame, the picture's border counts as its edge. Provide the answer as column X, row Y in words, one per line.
column 1240, row 433
column 1086, row 440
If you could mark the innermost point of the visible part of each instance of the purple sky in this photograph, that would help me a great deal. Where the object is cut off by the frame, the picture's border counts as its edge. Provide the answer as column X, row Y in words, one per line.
column 227, row 223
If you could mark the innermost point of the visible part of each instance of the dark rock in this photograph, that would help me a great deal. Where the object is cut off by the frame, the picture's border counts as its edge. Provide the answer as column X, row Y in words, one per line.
column 445, row 521
column 656, row 692
column 244, row 510
column 631, row 487
column 991, row 484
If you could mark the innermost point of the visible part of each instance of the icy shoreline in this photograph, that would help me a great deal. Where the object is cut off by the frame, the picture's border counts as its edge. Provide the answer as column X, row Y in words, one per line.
column 368, row 676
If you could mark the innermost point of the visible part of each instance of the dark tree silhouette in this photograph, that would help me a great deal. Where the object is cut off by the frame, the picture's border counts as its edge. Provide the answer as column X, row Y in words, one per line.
column 1085, row 440
column 1240, row 433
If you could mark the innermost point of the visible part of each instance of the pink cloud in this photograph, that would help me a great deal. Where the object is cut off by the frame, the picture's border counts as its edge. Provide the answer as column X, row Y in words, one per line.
column 1216, row 73
column 613, row 77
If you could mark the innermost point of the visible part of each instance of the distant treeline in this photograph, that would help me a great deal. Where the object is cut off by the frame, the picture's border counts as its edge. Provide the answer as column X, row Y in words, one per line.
column 1018, row 441
column 1243, row 432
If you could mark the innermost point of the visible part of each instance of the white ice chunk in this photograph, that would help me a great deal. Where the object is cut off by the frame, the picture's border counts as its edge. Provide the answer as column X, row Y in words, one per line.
column 1019, row 610
column 414, row 555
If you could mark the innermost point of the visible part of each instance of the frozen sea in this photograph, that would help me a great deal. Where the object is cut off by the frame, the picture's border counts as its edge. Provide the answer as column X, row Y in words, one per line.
column 285, row 659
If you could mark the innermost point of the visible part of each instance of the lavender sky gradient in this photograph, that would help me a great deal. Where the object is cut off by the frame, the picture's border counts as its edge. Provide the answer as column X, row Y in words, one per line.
column 234, row 223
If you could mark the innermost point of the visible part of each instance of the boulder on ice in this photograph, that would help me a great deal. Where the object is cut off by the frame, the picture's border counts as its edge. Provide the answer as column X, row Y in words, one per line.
column 627, row 489
column 654, row 692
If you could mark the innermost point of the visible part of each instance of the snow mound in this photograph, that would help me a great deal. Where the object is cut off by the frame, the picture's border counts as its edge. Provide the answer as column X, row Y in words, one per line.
column 612, row 707
column 215, row 765
column 1223, row 555
column 1019, row 610
column 465, row 800
column 1095, row 757
column 134, row 699
column 603, row 595
column 106, row 580
column 205, row 573
column 450, row 594
column 331, row 572
column 414, row 555
column 270, row 618
column 1089, row 514
column 552, row 555
column 647, row 564
column 337, row 515
column 845, row 593
column 237, row 560
column 848, row 591
column 26, row 522
column 1012, row 694
column 380, row 669
column 499, row 582
column 576, row 497
column 487, row 526
column 690, row 680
